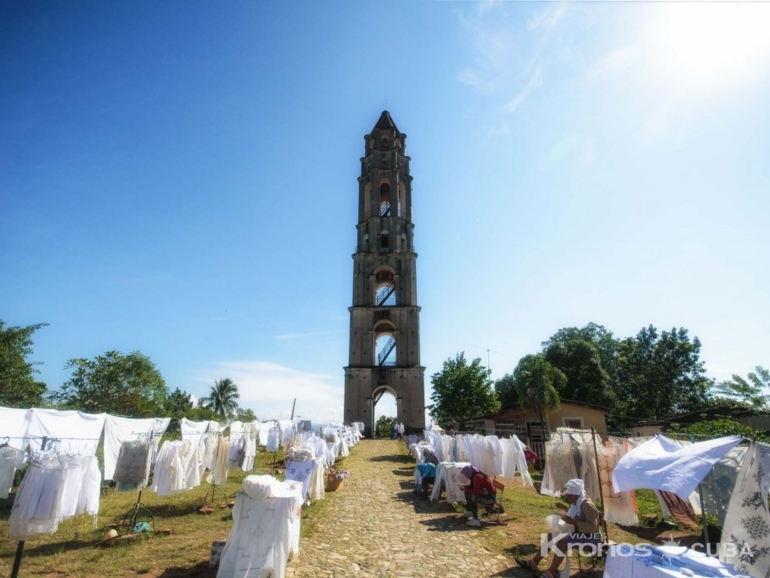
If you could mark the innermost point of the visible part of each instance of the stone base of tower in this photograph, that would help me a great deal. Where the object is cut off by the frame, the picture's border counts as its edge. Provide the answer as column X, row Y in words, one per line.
column 364, row 384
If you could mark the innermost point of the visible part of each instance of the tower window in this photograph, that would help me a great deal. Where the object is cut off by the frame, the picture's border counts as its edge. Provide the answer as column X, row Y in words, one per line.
column 384, row 142
column 385, row 200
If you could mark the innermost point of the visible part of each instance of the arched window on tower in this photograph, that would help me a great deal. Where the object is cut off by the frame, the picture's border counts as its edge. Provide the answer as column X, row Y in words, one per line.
column 384, row 288
column 384, row 144
column 385, row 200
column 384, row 344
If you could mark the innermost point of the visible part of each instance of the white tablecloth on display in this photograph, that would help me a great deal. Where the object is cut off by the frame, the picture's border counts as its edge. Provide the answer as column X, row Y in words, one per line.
column 449, row 473
column 624, row 561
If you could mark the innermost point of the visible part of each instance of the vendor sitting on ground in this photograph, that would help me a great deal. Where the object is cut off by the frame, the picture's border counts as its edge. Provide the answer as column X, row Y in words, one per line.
column 583, row 515
column 480, row 490
column 424, row 475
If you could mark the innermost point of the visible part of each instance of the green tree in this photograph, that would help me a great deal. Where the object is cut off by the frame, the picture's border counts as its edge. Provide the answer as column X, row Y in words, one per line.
column 753, row 392
column 461, row 392
column 604, row 341
column 245, row 415
column 222, row 398
column 178, row 403
column 579, row 360
column 127, row 385
column 659, row 375
column 384, row 426
column 722, row 426
column 537, row 384
column 506, row 391
column 18, row 386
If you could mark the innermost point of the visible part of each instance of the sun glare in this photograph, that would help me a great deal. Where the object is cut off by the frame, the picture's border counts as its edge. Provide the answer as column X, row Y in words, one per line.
column 710, row 44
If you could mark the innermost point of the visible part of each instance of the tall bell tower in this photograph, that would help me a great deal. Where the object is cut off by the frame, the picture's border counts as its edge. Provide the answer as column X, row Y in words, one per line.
column 384, row 352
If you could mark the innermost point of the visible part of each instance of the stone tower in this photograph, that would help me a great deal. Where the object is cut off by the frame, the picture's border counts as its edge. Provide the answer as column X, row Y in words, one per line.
column 384, row 352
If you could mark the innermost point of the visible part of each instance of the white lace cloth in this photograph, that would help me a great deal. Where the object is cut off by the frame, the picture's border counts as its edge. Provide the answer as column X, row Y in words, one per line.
column 265, row 529
column 449, row 473
column 55, row 487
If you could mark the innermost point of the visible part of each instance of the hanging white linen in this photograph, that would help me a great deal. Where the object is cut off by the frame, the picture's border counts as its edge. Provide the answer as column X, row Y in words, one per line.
column 719, row 483
column 264, row 429
column 177, row 467
column 273, row 439
column 449, row 473
column 133, row 466
column 663, row 464
column 10, row 459
column 619, row 508
column 55, row 487
column 193, row 430
column 13, row 424
column 301, row 472
column 250, row 446
column 559, row 467
column 218, row 473
column 287, row 431
column 265, row 530
column 83, row 429
column 513, row 460
column 746, row 533
column 587, row 472
column 122, row 429
column 316, row 490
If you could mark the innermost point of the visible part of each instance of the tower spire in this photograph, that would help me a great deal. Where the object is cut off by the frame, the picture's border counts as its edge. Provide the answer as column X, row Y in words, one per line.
column 385, row 122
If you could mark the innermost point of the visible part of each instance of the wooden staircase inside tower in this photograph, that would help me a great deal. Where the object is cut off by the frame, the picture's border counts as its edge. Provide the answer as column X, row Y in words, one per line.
column 385, row 293
column 382, row 358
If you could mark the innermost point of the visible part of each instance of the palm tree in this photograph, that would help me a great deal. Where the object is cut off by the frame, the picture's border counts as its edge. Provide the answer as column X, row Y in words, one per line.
column 222, row 399
column 537, row 383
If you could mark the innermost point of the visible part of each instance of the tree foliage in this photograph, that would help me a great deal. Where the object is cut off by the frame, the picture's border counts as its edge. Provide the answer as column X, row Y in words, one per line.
column 384, row 426
column 660, row 375
column 716, row 428
column 753, row 392
column 18, row 386
column 178, row 403
column 125, row 385
column 245, row 415
column 506, row 391
column 537, row 384
column 580, row 361
column 604, row 341
column 222, row 399
column 461, row 391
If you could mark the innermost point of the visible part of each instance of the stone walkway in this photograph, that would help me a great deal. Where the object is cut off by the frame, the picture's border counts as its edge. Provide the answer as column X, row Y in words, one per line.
column 377, row 527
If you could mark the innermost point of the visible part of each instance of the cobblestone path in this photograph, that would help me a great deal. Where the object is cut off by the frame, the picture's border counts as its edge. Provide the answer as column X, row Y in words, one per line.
column 377, row 527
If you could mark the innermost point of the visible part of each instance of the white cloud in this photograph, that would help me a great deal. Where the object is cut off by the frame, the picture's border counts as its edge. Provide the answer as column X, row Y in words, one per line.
column 475, row 80
column 613, row 60
column 547, row 18
column 535, row 80
column 270, row 388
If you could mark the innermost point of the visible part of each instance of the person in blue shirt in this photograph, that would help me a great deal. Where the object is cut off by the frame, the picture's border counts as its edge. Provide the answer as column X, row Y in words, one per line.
column 425, row 475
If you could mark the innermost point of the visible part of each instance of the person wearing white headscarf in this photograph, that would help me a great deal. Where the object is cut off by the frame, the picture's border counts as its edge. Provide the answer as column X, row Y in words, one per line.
column 582, row 515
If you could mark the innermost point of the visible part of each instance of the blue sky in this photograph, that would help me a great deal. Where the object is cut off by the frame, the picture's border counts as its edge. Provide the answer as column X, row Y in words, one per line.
column 180, row 178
